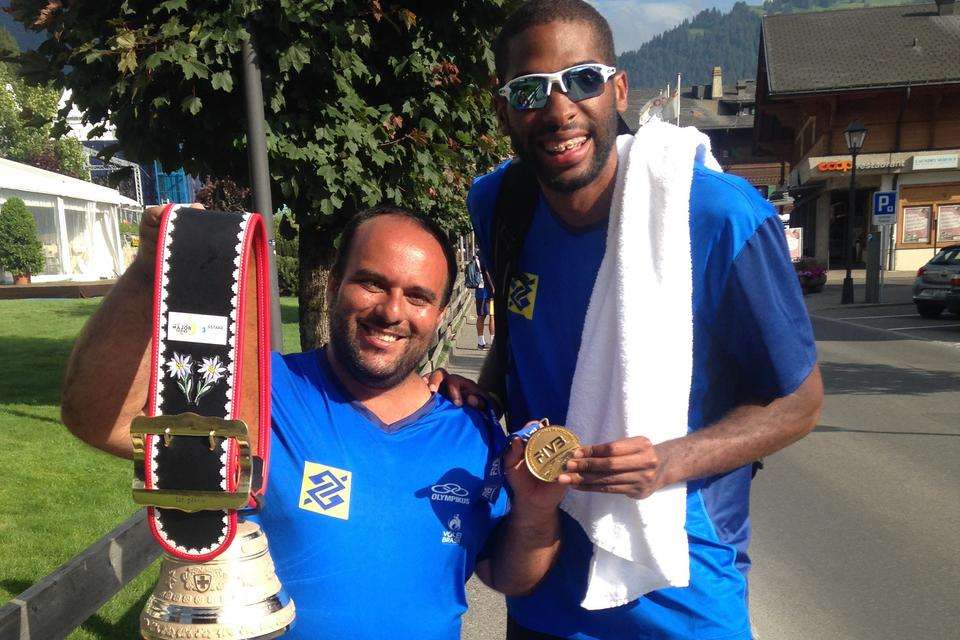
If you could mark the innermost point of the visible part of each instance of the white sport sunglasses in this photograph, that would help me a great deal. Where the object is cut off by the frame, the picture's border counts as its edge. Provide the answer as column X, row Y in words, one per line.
column 578, row 83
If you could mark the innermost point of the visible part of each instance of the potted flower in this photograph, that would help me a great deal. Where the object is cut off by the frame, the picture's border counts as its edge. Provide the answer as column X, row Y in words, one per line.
column 20, row 250
column 811, row 274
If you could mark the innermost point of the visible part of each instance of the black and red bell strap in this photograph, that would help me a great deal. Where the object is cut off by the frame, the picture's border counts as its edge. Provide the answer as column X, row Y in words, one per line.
column 202, row 453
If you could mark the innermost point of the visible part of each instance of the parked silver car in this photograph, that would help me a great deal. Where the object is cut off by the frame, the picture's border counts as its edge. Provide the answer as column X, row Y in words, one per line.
column 932, row 285
column 953, row 297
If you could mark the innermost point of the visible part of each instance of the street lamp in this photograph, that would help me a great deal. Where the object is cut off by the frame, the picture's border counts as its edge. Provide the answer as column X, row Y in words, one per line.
column 855, row 134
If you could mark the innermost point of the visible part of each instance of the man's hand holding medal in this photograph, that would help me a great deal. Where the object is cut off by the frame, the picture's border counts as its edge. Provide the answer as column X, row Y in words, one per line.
column 633, row 467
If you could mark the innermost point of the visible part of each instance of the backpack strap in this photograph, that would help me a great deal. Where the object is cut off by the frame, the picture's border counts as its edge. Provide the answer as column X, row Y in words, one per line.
column 516, row 203
column 512, row 215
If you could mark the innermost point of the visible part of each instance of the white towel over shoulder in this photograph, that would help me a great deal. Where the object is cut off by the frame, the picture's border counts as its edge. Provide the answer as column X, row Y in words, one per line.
column 635, row 363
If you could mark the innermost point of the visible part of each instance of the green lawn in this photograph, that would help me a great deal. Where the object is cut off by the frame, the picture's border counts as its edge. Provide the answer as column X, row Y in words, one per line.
column 58, row 495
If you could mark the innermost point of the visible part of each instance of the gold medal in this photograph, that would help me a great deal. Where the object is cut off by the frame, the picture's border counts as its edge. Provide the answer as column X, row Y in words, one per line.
column 547, row 450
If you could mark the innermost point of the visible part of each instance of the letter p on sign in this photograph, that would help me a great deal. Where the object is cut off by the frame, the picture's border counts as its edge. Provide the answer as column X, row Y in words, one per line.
column 884, row 207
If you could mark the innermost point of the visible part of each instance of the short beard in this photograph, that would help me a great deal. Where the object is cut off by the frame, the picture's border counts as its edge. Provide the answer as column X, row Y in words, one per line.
column 343, row 343
column 604, row 139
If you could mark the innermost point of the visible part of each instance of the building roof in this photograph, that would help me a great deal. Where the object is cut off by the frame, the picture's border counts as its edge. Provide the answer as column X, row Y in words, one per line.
column 699, row 113
column 702, row 114
column 745, row 91
column 23, row 177
column 849, row 49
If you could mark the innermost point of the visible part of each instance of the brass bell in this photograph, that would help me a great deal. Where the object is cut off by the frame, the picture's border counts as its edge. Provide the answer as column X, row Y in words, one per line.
column 235, row 596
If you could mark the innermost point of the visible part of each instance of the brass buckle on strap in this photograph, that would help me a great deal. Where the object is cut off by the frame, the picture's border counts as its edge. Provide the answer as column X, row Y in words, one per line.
column 195, row 426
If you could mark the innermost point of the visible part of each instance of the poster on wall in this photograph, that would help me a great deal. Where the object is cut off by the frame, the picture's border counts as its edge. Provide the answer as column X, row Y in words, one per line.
column 948, row 223
column 795, row 242
column 916, row 225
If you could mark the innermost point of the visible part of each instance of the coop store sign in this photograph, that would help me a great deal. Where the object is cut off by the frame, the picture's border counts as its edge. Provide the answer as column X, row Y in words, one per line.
column 864, row 163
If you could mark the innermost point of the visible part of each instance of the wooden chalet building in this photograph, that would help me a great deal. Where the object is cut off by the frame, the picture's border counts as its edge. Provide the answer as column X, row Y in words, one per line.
column 726, row 114
column 897, row 71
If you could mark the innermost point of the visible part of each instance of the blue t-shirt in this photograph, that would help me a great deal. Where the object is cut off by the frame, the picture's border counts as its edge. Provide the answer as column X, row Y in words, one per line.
column 374, row 528
column 752, row 342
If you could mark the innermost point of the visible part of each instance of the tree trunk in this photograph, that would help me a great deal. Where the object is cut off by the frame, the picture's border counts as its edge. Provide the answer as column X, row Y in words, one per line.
column 316, row 257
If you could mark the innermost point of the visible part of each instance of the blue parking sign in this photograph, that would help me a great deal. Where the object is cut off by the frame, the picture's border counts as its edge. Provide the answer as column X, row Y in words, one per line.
column 884, row 207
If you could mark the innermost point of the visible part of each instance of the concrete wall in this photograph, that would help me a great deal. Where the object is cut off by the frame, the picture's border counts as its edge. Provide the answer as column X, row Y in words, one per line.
column 912, row 259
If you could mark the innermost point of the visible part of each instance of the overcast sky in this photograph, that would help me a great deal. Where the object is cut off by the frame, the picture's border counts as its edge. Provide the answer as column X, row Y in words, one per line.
column 636, row 21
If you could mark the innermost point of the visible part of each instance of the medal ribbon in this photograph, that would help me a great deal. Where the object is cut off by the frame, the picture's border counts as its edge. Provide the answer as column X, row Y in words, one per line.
column 493, row 476
column 211, row 358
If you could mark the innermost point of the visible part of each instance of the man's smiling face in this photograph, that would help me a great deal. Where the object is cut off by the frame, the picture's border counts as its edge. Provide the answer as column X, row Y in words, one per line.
column 389, row 303
column 567, row 143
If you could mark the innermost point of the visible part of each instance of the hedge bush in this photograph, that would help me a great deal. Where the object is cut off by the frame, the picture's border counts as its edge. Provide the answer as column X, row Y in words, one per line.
column 286, row 234
column 288, row 275
column 20, row 248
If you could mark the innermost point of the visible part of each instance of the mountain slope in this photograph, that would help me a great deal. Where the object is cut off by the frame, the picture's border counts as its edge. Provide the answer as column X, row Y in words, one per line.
column 25, row 39
column 711, row 38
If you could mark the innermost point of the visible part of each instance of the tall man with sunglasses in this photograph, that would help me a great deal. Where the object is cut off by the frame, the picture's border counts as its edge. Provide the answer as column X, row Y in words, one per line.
column 755, row 386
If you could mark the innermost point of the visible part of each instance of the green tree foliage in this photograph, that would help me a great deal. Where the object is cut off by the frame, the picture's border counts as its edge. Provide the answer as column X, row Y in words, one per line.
column 27, row 116
column 8, row 44
column 730, row 41
column 366, row 100
column 20, row 248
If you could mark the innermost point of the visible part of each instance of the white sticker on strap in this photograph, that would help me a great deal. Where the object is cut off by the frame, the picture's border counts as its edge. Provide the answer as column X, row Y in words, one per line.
column 197, row 327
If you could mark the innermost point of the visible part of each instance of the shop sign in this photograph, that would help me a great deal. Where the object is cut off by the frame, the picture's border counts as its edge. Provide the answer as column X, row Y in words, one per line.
column 916, row 225
column 835, row 165
column 939, row 161
column 867, row 163
column 880, row 163
column 948, row 223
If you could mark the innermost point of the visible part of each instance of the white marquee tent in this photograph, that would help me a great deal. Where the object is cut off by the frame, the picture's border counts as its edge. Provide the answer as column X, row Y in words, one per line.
column 77, row 221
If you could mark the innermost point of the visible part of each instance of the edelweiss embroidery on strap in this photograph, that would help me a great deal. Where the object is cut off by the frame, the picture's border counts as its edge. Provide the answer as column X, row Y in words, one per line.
column 194, row 387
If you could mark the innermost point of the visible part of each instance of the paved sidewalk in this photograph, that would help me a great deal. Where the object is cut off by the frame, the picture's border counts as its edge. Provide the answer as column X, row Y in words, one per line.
column 486, row 619
column 897, row 290
column 836, row 276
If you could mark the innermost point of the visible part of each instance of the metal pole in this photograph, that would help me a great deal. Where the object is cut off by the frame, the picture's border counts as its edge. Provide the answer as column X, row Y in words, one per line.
column 847, row 295
column 260, row 175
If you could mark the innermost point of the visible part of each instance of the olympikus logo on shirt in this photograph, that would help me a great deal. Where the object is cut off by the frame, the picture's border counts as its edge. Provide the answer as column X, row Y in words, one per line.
column 449, row 492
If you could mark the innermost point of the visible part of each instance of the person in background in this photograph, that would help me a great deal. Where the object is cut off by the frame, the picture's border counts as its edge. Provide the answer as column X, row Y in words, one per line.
column 478, row 274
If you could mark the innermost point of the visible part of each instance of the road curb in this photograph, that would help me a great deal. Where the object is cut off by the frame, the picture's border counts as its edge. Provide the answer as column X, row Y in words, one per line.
column 865, row 305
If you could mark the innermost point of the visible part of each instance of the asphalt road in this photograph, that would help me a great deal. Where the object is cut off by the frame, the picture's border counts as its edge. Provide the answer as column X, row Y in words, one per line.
column 856, row 526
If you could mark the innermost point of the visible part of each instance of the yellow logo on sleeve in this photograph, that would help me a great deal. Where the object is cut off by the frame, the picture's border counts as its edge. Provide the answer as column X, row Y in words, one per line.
column 523, row 294
column 325, row 490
